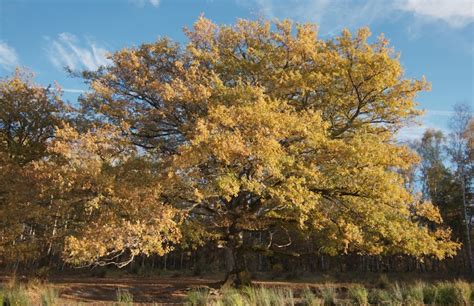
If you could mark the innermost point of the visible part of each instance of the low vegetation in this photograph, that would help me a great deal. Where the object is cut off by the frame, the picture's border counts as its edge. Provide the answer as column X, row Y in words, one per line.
column 442, row 293
column 458, row 292
column 34, row 292
column 124, row 297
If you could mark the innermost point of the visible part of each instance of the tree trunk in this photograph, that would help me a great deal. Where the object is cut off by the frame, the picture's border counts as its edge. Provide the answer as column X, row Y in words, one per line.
column 237, row 274
column 468, row 245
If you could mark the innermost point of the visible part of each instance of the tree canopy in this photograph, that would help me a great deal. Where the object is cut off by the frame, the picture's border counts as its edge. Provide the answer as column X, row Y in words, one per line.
column 263, row 127
column 258, row 127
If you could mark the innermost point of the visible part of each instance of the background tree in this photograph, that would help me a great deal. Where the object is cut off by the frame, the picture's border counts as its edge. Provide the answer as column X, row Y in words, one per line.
column 439, row 183
column 460, row 153
column 261, row 128
column 446, row 174
column 29, row 115
column 71, row 188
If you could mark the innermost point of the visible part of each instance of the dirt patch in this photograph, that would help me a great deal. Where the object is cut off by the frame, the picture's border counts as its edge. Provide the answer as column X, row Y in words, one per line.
column 157, row 290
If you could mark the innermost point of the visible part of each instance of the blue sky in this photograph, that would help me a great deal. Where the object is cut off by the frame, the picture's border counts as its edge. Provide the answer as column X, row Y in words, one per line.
column 435, row 37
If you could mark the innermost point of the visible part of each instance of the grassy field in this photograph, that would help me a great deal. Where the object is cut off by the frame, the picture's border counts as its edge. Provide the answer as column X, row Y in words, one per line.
column 179, row 290
column 420, row 293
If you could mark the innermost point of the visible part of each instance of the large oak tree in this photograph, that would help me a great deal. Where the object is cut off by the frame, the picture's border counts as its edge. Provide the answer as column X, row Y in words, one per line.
column 262, row 127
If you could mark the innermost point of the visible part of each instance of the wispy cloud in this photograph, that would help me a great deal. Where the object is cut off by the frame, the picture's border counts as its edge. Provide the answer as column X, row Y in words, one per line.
column 73, row 90
column 332, row 15
column 433, row 119
column 68, row 51
column 444, row 113
column 414, row 132
column 68, row 90
column 457, row 13
column 8, row 57
column 141, row 3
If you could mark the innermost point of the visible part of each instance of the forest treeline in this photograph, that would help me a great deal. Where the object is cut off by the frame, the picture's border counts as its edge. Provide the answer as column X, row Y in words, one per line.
column 253, row 147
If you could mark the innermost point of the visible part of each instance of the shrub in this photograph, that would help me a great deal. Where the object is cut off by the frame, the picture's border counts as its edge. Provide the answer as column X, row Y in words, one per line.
column 268, row 296
column 396, row 293
column 463, row 290
column 124, row 296
column 380, row 297
column 199, row 297
column 100, row 272
column 429, row 294
column 232, row 297
column 358, row 294
column 329, row 295
column 456, row 293
column 277, row 270
column 17, row 296
column 49, row 296
column 413, row 294
column 310, row 299
column 286, row 296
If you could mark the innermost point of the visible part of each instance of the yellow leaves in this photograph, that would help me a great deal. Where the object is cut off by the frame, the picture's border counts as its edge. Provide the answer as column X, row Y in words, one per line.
column 300, row 128
column 100, row 143
column 130, row 211
column 363, row 34
column 93, row 203
column 203, row 31
column 97, row 176
column 202, row 132
column 352, row 235
column 115, row 236
column 101, row 89
column 29, row 113
column 228, row 186
column 202, row 39
column 428, row 211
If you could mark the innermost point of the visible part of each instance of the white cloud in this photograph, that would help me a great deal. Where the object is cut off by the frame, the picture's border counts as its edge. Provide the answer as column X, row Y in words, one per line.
column 433, row 119
column 68, row 51
column 333, row 15
column 457, row 13
column 155, row 3
column 141, row 3
column 8, row 57
column 73, row 90
column 415, row 132
column 411, row 133
column 68, row 90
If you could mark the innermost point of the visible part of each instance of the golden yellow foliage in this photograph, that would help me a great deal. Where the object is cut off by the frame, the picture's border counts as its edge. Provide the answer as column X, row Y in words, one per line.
column 260, row 126
column 256, row 127
column 29, row 114
column 81, row 191
column 117, row 195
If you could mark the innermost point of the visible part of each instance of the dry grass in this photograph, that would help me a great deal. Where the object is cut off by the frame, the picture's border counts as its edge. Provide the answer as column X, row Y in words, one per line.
column 70, row 291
